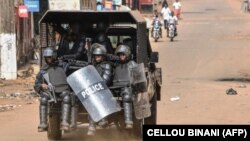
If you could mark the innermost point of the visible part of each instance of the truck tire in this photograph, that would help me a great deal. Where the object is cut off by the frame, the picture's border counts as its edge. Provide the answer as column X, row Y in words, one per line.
column 152, row 120
column 137, row 129
column 54, row 132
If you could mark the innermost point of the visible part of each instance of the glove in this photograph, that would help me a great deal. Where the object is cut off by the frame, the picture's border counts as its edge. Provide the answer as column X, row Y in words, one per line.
column 51, row 87
column 44, row 94
column 73, row 62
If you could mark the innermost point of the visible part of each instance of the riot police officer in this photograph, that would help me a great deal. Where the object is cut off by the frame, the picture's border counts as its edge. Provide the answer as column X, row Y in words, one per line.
column 104, row 68
column 121, row 79
column 102, row 38
column 72, row 44
column 57, row 78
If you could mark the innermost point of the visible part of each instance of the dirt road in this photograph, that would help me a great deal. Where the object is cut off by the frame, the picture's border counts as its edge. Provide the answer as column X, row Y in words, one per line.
column 209, row 56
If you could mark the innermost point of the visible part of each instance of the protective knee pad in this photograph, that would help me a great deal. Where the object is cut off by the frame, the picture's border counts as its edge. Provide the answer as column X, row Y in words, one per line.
column 73, row 99
column 66, row 99
column 44, row 101
column 64, row 93
column 127, row 95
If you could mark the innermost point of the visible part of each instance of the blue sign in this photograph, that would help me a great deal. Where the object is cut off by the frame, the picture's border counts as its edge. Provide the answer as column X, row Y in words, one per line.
column 33, row 5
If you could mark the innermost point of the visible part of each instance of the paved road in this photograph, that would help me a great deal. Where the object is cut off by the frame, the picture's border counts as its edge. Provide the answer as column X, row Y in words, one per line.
column 209, row 55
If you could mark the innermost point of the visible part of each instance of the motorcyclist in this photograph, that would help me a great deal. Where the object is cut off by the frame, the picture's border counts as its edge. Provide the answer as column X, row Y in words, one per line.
column 121, row 79
column 156, row 22
column 57, row 78
column 174, row 21
column 105, row 69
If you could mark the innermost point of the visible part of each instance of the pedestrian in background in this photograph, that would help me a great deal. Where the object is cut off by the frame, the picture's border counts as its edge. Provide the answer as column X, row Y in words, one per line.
column 177, row 8
column 99, row 5
column 164, row 3
column 245, row 6
column 165, row 14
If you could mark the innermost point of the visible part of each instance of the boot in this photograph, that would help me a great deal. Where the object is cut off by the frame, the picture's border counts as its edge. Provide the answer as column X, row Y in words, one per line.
column 43, row 126
column 128, row 115
column 65, row 116
column 91, row 129
column 73, row 118
column 103, row 123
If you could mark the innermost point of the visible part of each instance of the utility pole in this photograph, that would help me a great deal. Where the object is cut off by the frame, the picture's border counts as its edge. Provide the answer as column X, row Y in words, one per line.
column 8, row 64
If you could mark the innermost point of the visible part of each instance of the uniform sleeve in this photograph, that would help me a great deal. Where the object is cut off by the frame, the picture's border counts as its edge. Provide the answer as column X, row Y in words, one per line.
column 107, row 74
column 80, row 51
column 38, row 82
column 78, row 54
column 133, row 63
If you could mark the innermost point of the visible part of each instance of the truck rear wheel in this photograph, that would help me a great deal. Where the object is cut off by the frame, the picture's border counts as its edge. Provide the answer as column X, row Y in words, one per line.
column 137, row 129
column 152, row 120
column 54, row 132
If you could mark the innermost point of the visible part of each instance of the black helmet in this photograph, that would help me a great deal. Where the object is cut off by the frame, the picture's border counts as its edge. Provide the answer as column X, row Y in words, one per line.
column 101, row 38
column 49, row 52
column 123, row 49
column 101, row 26
column 98, row 49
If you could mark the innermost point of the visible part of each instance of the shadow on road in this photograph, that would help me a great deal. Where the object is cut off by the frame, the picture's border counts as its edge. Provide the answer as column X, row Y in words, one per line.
column 234, row 79
column 112, row 134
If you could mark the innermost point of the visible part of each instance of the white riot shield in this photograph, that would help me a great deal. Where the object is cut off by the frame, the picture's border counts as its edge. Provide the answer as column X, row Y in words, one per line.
column 142, row 105
column 93, row 93
column 137, row 78
column 138, row 82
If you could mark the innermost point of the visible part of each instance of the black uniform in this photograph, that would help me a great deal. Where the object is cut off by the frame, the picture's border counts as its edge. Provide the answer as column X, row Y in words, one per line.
column 121, row 79
column 104, row 68
column 102, row 38
column 57, row 78
column 105, row 71
column 77, row 52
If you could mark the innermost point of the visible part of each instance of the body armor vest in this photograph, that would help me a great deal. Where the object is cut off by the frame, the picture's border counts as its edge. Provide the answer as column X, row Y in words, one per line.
column 121, row 77
column 58, row 79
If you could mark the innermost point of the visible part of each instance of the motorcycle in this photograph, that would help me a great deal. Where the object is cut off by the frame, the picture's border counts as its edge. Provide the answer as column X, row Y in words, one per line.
column 156, row 30
column 171, row 32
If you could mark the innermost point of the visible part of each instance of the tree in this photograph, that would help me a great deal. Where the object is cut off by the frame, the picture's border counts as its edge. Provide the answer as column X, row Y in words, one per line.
column 8, row 40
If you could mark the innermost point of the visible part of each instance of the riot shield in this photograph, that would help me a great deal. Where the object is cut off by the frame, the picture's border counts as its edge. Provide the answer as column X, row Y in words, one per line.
column 93, row 93
column 137, row 78
column 141, row 105
column 138, row 83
